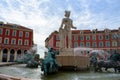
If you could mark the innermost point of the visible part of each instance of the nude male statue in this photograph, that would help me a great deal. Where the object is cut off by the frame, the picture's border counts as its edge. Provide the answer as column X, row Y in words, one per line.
column 65, row 30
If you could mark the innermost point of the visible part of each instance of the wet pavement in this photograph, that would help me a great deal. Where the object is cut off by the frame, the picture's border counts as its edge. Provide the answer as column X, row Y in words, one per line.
column 7, row 63
column 20, row 70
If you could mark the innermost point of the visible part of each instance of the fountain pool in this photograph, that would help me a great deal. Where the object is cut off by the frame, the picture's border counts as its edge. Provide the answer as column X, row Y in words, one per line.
column 36, row 74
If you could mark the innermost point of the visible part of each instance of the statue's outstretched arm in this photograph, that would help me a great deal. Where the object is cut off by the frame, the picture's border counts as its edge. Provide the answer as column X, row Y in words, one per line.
column 72, row 25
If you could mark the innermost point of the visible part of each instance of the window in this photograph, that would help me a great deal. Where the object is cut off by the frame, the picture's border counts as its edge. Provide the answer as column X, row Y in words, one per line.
column 87, row 44
column 115, row 36
column 26, row 42
column 13, row 41
column 14, row 26
column 114, row 43
column 27, row 34
column 57, row 44
column 75, row 37
column 0, row 31
column 81, row 32
column 109, row 51
column 87, row 37
column 57, row 37
column 100, row 37
column 7, row 32
column 94, row 44
column 6, row 41
column 81, row 44
column 118, row 35
column 20, row 42
column 81, row 38
column 107, row 43
column 107, row 37
column 1, row 24
column 0, row 39
column 93, row 31
column 75, row 44
column 20, row 34
column 14, row 33
column 100, row 44
column 93, row 37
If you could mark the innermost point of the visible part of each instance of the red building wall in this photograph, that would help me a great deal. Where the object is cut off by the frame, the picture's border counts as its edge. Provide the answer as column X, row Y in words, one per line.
column 10, row 36
column 90, row 33
column 15, row 48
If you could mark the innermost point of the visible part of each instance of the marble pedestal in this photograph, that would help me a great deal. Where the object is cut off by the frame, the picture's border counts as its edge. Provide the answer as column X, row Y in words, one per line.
column 66, row 58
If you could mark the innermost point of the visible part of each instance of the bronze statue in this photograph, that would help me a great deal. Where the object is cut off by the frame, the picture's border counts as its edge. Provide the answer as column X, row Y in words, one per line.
column 49, row 64
column 113, row 62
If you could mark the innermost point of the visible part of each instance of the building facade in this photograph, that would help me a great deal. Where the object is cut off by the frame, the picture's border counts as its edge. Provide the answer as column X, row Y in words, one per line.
column 15, row 40
column 108, row 40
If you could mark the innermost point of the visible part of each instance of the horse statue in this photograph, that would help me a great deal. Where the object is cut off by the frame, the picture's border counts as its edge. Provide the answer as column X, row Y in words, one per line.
column 93, row 60
column 49, row 64
column 31, row 60
column 113, row 62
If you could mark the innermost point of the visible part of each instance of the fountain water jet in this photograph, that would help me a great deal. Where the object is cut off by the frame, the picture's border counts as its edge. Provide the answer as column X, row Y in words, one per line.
column 30, row 58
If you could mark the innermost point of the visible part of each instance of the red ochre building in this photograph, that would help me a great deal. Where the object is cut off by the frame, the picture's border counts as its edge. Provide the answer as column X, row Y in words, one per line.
column 15, row 40
column 108, row 40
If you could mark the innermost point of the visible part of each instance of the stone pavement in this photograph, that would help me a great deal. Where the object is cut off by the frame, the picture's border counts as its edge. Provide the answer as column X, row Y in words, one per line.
column 7, row 63
column 7, row 77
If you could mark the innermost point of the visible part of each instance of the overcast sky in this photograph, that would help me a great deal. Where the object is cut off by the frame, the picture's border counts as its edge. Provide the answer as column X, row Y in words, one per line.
column 44, row 16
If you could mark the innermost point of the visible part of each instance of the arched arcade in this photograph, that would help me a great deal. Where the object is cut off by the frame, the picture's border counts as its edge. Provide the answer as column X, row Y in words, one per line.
column 5, row 55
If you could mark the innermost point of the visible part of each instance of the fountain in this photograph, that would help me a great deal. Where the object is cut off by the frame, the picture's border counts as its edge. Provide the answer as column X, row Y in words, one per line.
column 30, row 58
column 68, row 55
column 75, row 57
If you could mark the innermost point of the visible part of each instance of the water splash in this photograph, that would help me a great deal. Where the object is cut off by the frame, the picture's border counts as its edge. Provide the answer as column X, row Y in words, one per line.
column 100, row 54
column 83, row 51
column 33, row 50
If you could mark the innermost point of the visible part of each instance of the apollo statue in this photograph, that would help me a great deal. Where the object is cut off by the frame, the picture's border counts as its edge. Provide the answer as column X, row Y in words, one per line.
column 65, row 30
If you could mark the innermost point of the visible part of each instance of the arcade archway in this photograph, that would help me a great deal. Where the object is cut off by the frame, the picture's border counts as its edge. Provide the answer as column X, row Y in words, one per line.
column 12, row 52
column 25, row 52
column 4, row 56
column 19, row 54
